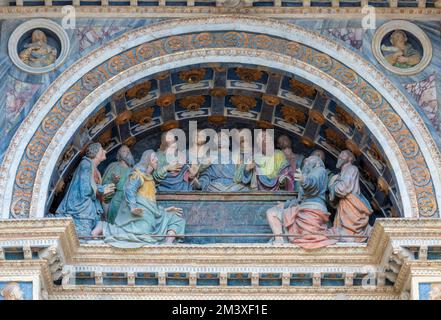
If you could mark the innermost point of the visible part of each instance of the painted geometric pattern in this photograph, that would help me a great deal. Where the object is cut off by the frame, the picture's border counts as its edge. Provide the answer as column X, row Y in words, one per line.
column 18, row 95
column 92, row 36
column 25, row 178
column 350, row 36
column 424, row 93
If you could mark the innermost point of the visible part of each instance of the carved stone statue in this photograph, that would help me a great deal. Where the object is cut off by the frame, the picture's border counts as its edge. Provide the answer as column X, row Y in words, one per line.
column 321, row 154
column 82, row 200
column 353, row 209
column 177, row 179
column 222, row 177
column 12, row 291
column 139, row 216
column 401, row 54
column 38, row 53
column 117, row 173
column 306, row 219
column 269, row 172
column 295, row 161
column 203, row 161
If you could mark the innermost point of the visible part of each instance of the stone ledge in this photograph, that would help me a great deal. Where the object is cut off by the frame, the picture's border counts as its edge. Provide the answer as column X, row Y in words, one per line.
column 423, row 14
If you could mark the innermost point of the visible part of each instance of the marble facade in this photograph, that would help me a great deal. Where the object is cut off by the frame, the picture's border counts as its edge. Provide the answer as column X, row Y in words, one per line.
column 41, row 114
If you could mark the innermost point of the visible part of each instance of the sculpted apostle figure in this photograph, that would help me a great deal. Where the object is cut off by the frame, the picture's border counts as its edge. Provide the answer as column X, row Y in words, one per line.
column 307, row 218
column 268, row 172
column 117, row 173
column 353, row 209
column 294, row 160
column 222, row 177
column 202, row 161
column 175, row 180
column 139, row 216
column 82, row 200
column 38, row 53
column 321, row 154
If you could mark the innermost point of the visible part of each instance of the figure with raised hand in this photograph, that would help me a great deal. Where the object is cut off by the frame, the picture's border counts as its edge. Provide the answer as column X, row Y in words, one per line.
column 117, row 173
column 353, row 209
column 86, row 191
column 177, row 175
column 222, row 177
column 306, row 219
column 269, row 171
column 294, row 160
column 140, row 219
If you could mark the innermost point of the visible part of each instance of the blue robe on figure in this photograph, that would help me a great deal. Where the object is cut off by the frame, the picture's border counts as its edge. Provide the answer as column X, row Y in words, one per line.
column 82, row 199
column 223, row 178
column 173, row 181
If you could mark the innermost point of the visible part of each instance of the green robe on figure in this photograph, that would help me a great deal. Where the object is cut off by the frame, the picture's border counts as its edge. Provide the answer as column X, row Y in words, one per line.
column 115, row 169
column 131, row 231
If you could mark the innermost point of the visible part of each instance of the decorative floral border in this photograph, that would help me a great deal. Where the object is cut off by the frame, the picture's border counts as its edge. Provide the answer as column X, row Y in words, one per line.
column 420, row 173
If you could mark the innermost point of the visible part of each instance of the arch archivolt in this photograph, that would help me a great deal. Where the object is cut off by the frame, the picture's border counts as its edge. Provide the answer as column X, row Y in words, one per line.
column 74, row 96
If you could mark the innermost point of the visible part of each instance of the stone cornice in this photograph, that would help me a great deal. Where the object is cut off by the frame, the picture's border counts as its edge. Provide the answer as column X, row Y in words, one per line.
column 192, row 292
column 37, row 268
column 345, row 13
column 39, row 232
column 388, row 240
column 387, row 232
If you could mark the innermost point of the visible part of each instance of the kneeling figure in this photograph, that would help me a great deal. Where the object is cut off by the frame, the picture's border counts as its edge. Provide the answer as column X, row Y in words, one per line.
column 306, row 219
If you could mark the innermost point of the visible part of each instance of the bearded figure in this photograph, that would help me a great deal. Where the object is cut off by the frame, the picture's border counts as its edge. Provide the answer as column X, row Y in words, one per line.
column 178, row 175
column 85, row 193
column 38, row 53
column 305, row 219
column 117, row 173
column 401, row 54
column 294, row 160
column 140, row 219
column 269, row 171
column 353, row 209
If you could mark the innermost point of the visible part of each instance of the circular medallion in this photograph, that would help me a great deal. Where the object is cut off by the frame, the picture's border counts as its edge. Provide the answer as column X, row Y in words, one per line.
column 402, row 47
column 38, row 46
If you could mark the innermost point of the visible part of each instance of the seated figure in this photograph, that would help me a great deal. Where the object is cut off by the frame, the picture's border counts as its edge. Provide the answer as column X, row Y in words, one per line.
column 268, row 172
column 178, row 179
column 353, row 209
column 117, row 173
column 306, row 219
column 219, row 177
column 294, row 160
column 82, row 200
column 139, row 217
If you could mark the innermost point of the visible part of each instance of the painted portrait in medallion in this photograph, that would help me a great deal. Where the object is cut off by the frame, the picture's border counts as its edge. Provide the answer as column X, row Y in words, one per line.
column 16, row 290
column 402, row 47
column 38, row 46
